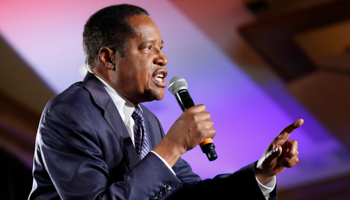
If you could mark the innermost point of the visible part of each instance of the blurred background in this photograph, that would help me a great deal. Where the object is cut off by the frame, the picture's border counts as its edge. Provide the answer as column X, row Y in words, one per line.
column 258, row 65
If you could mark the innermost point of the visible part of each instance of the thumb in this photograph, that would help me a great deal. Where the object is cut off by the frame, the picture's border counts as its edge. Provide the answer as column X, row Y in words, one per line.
column 268, row 157
column 273, row 154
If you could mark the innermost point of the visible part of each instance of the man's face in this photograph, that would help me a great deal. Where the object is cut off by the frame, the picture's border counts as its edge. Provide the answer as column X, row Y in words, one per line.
column 139, row 76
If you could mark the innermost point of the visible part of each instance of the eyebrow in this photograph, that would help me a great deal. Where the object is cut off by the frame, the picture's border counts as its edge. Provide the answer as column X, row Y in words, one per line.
column 152, row 41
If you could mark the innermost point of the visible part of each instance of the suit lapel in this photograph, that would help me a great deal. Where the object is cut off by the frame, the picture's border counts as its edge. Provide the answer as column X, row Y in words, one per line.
column 112, row 116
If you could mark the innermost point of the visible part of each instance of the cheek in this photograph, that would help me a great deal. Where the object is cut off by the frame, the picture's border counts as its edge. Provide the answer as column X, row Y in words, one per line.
column 147, row 77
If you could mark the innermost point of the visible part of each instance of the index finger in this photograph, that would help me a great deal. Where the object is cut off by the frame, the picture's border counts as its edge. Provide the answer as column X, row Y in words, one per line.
column 289, row 129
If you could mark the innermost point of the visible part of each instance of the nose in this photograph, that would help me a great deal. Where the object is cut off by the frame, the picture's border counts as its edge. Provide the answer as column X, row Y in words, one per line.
column 160, row 59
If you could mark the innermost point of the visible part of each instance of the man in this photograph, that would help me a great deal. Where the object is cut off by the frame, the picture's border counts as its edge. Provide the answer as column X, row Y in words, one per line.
column 85, row 147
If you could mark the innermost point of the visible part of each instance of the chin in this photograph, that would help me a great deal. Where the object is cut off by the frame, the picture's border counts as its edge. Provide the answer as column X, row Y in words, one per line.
column 155, row 95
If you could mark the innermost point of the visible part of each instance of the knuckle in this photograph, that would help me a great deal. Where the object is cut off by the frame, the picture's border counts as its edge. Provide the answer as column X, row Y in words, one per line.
column 201, row 106
column 295, row 142
column 213, row 132
column 210, row 124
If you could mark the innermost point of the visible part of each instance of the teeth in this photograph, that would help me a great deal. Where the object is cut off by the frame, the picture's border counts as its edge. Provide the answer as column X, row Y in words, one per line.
column 159, row 77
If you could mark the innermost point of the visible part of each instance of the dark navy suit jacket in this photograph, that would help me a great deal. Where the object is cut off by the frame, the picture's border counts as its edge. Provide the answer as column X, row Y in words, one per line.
column 83, row 151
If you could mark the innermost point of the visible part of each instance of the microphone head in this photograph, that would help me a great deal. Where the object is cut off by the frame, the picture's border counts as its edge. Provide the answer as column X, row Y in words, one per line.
column 177, row 83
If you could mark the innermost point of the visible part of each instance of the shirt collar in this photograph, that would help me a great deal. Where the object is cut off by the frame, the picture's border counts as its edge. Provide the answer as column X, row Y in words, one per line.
column 124, row 106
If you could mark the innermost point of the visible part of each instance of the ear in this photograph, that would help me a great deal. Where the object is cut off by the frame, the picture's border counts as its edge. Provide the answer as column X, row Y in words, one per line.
column 105, row 56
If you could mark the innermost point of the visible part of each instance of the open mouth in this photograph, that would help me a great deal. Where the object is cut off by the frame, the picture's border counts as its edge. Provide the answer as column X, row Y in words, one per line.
column 159, row 77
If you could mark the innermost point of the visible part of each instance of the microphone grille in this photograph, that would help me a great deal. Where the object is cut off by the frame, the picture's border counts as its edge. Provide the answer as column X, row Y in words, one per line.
column 177, row 83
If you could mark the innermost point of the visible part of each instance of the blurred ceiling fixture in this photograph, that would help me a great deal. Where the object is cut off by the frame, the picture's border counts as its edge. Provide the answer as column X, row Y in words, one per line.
column 269, row 8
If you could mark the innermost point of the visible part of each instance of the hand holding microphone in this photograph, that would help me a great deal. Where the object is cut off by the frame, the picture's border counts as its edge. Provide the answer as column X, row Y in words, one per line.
column 178, row 87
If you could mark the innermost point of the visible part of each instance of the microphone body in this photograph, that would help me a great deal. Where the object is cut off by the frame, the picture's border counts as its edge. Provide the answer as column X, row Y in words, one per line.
column 178, row 87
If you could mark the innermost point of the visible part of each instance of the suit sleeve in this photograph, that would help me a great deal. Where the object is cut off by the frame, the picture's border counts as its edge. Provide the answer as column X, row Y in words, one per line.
column 238, row 185
column 69, row 152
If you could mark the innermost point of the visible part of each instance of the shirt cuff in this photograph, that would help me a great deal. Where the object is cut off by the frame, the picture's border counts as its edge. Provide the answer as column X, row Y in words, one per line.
column 165, row 162
column 267, row 187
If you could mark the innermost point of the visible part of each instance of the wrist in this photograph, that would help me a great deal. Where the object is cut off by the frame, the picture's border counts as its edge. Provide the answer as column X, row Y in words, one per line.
column 169, row 151
column 261, row 175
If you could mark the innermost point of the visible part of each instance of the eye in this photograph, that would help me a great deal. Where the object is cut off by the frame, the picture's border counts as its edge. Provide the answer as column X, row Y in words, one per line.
column 149, row 47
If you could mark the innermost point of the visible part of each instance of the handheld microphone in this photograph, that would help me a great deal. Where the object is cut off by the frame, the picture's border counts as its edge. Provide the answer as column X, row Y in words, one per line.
column 178, row 87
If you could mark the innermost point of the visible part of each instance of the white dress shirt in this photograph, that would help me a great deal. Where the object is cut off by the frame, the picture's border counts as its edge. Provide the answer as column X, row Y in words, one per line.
column 126, row 108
